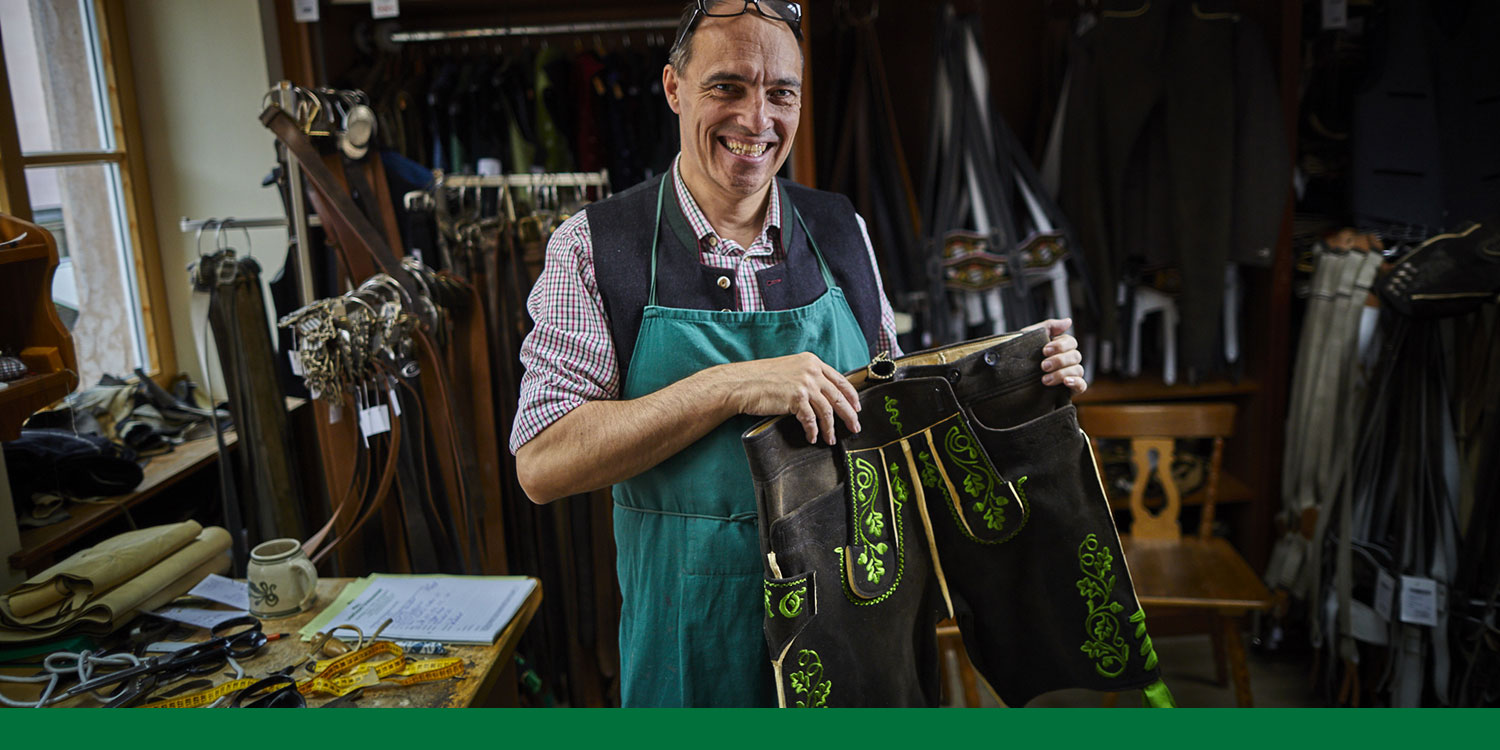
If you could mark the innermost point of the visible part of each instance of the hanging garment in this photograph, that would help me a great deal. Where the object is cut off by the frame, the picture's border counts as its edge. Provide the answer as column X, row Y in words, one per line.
column 268, row 485
column 1172, row 154
column 1425, row 156
column 690, row 620
column 969, row 493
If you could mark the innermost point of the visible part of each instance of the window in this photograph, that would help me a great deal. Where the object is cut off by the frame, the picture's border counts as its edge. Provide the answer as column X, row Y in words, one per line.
column 70, row 158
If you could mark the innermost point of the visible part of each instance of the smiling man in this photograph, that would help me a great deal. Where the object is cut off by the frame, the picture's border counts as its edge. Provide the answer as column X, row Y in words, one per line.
column 671, row 316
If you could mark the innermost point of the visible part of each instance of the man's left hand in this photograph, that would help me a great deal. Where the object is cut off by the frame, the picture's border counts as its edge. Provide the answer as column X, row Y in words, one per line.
column 1063, row 361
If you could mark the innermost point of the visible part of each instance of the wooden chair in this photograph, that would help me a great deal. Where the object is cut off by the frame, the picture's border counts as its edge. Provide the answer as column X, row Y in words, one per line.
column 1200, row 574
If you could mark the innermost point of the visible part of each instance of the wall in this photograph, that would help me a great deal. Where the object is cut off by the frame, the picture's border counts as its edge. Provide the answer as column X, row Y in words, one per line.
column 200, row 73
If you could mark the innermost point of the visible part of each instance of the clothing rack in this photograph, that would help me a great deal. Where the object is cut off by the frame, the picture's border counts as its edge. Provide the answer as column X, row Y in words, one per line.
column 488, row 32
column 598, row 179
column 195, row 225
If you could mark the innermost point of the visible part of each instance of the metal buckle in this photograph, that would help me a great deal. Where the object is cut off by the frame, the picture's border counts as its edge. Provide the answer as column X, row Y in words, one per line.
column 881, row 367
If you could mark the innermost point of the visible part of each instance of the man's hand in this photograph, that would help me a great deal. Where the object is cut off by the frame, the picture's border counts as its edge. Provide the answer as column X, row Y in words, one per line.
column 799, row 384
column 1063, row 363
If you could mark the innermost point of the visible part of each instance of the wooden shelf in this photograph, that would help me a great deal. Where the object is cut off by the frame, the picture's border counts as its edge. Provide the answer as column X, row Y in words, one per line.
column 1231, row 490
column 41, row 544
column 21, row 398
column 1149, row 387
column 26, row 250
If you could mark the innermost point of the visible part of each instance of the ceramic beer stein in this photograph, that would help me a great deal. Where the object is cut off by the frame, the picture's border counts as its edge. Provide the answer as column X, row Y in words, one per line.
column 282, row 580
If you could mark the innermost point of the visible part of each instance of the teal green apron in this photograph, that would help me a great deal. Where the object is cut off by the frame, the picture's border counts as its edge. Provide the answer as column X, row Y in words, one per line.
column 689, row 552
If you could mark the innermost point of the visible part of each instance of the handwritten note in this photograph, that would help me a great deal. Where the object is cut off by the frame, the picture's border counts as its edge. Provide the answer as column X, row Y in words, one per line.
column 224, row 591
column 453, row 609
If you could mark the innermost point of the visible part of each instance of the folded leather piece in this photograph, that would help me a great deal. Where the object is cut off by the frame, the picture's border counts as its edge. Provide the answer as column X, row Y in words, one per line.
column 64, row 588
column 168, row 578
column 971, row 493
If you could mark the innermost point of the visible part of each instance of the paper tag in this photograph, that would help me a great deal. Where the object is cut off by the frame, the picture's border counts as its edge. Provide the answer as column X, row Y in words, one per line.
column 1418, row 600
column 384, row 8
column 305, row 11
column 295, row 357
column 395, row 402
column 335, row 412
column 1335, row 14
column 224, row 591
column 1385, row 593
column 374, row 420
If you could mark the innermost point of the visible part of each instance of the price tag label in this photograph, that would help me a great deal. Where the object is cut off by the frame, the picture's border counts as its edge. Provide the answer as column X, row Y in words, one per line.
column 295, row 357
column 1385, row 594
column 374, row 420
column 395, row 402
column 305, row 11
column 385, row 8
column 1419, row 600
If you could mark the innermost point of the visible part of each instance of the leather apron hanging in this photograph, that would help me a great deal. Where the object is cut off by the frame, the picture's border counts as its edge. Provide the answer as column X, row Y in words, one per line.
column 689, row 563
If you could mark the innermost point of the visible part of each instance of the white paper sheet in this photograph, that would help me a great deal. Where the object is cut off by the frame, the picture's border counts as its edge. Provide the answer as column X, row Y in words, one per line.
column 453, row 609
column 224, row 591
column 203, row 618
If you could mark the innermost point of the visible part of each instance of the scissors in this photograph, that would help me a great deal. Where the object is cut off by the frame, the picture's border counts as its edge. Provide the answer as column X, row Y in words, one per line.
column 235, row 638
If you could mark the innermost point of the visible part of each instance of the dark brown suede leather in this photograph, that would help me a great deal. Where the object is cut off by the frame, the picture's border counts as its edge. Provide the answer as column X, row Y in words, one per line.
column 971, row 493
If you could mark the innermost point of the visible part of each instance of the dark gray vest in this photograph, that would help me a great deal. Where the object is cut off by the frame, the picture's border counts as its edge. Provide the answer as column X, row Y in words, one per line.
column 621, row 228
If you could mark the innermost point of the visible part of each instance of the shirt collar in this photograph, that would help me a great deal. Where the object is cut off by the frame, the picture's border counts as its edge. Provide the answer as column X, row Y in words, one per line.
column 698, row 221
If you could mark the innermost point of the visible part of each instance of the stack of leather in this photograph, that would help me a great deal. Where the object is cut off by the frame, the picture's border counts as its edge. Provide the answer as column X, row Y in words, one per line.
column 99, row 589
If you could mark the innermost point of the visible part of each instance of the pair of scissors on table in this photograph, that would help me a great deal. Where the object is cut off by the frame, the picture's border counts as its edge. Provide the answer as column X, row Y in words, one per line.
column 235, row 638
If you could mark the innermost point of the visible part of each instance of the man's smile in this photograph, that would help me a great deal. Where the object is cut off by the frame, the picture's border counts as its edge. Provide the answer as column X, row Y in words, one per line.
column 751, row 149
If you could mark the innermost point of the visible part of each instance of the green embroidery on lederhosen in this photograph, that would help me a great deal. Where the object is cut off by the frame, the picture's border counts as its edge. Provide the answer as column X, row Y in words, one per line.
column 1146, row 650
column 769, row 613
column 980, row 481
column 869, row 524
column 1105, row 645
column 898, row 502
column 893, row 413
column 791, row 602
column 808, row 681
column 898, row 487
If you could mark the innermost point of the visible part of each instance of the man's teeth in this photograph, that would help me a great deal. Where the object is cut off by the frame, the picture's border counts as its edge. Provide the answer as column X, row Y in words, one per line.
column 746, row 149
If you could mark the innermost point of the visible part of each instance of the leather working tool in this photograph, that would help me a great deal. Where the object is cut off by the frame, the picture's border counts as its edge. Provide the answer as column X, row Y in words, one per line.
column 969, row 492
column 236, row 638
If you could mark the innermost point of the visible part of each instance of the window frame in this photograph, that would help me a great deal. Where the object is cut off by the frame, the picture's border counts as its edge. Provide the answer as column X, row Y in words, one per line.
column 128, row 155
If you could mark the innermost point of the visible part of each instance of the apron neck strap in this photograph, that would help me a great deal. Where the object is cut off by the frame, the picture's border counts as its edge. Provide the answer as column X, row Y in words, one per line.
column 661, row 192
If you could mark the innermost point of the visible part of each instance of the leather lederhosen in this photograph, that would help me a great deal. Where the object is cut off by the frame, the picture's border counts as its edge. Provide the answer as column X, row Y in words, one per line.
column 970, row 492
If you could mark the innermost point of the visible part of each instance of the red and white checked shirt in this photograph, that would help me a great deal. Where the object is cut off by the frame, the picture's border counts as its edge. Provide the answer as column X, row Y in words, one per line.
column 569, row 355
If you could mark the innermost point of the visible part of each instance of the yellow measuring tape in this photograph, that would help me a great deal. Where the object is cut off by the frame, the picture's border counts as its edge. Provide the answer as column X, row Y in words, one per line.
column 341, row 676
column 205, row 697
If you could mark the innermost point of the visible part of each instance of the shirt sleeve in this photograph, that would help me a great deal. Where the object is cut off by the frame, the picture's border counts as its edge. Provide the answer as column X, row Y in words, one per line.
column 569, row 356
column 885, row 341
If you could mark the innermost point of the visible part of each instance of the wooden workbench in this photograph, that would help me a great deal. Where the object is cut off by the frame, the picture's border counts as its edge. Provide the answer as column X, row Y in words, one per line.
column 481, row 684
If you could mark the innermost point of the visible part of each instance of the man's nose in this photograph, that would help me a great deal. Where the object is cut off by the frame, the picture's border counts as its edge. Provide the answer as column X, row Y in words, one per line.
column 753, row 112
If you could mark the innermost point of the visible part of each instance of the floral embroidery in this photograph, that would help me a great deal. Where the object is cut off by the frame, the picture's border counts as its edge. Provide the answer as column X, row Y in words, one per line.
column 980, row 481
column 870, row 523
column 929, row 475
column 898, row 487
column 1146, row 650
column 809, row 681
column 791, row 602
column 893, row 413
column 1105, row 645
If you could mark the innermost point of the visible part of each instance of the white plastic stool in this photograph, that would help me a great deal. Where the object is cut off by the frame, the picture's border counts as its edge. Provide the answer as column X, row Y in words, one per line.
column 1148, row 301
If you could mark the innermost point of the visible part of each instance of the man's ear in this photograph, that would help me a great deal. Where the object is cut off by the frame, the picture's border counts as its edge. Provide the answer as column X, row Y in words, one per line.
column 669, row 84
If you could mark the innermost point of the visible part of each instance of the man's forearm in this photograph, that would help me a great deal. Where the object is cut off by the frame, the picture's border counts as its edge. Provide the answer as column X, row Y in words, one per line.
column 604, row 442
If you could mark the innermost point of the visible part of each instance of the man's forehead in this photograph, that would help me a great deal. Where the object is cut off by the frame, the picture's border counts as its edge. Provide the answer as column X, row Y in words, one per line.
column 749, row 39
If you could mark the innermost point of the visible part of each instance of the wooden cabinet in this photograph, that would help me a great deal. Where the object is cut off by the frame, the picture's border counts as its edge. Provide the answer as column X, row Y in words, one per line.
column 29, row 325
